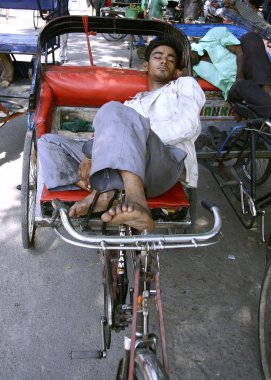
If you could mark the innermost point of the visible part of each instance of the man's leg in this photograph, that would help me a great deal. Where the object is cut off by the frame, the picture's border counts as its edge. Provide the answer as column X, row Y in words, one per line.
column 124, row 141
column 134, row 211
column 137, row 159
column 256, row 88
column 60, row 158
column 257, row 65
column 255, row 97
column 63, row 48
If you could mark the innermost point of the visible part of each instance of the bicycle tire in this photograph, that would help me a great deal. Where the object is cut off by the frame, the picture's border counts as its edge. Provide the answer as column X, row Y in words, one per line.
column 113, row 36
column 263, row 167
column 131, row 46
column 36, row 19
column 268, row 249
column 264, row 323
column 29, row 189
column 108, row 298
column 147, row 366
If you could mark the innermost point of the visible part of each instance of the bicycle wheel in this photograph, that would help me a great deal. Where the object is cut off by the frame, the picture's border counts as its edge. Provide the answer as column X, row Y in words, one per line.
column 9, row 110
column 264, row 323
column 131, row 46
column 36, row 19
column 148, row 367
column 29, row 189
column 268, row 249
column 263, row 165
column 108, row 297
column 113, row 36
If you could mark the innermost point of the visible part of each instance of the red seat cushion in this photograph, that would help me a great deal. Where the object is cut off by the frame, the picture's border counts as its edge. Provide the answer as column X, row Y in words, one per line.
column 174, row 198
column 93, row 86
column 206, row 86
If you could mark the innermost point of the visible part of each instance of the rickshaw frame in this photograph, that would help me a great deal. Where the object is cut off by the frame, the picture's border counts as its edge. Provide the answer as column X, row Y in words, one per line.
column 144, row 248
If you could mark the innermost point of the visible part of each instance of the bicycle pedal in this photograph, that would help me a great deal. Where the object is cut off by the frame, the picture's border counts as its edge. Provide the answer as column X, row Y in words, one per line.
column 93, row 354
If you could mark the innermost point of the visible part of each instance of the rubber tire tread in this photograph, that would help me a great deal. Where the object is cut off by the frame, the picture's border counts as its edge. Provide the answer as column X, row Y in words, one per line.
column 27, row 240
column 264, row 323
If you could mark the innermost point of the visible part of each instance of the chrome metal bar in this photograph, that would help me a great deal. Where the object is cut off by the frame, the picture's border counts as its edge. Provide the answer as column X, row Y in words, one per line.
column 139, row 242
column 137, row 247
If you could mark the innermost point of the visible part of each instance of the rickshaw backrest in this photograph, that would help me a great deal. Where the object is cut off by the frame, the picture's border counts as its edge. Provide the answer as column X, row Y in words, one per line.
column 73, row 86
column 93, row 86
column 84, row 87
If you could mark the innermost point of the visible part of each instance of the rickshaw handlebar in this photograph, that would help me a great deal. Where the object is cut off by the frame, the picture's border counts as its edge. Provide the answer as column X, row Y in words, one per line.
column 145, row 241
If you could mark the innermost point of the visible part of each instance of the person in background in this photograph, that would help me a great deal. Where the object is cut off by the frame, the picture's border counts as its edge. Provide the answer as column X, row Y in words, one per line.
column 63, row 10
column 192, row 9
column 155, row 8
column 98, row 5
column 7, row 74
column 240, row 13
column 240, row 69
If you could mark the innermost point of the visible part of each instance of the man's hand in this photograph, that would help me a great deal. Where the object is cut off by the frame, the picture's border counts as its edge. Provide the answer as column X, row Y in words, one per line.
column 83, row 172
column 195, row 58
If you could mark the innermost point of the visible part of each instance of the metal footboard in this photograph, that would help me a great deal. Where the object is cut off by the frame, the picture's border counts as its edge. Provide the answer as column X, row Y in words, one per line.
column 144, row 241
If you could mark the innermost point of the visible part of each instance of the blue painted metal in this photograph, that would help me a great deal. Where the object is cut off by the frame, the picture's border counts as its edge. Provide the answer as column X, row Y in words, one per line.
column 48, row 5
column 199, row 30
column 18, row 43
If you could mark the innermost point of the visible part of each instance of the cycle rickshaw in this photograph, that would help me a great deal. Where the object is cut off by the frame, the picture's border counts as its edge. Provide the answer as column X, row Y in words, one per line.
column 23, row 44
column 59, row 93
column 42, row 9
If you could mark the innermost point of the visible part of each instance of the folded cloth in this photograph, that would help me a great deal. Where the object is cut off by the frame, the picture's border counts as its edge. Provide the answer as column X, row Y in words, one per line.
column 77, row 125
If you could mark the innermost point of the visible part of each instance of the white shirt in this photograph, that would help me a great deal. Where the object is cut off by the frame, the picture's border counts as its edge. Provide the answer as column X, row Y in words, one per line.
column 174, row 113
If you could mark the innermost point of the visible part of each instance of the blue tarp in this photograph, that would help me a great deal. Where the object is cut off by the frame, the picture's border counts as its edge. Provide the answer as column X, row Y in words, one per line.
column 199, row 30
column 47, row 5
column 18, row 43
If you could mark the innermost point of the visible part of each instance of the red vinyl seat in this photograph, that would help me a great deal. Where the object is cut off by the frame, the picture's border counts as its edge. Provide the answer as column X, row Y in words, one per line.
column 174, row 198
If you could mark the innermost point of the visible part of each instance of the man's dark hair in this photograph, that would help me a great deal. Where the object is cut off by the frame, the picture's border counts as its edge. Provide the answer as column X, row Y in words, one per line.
column 167, row 41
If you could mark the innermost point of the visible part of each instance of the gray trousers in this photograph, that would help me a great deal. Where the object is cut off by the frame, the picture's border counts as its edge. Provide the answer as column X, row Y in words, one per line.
column 123, row 141
column 257, row 71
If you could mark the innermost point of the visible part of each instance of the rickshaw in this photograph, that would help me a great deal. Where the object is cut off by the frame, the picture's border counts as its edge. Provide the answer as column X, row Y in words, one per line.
column 42, row 9
column 64, row 92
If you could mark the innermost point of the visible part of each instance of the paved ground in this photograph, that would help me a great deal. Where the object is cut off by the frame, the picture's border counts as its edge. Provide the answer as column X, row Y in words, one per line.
column 51, row 297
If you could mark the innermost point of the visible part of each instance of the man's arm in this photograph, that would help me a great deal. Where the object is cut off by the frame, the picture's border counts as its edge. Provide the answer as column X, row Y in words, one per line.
column 195, row 58
column 237, row 50
column 184, row 123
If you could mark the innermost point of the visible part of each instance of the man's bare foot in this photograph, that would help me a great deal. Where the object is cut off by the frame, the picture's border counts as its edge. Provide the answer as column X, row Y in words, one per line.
column 132, row 214
column 81, row 208
column 82, row 185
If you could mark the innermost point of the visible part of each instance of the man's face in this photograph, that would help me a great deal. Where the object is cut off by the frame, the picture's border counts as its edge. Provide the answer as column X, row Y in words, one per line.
column 162, row 64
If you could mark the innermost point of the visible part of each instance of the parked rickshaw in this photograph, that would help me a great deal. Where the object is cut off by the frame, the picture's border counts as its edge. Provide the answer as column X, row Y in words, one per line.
column 59, row 93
